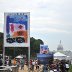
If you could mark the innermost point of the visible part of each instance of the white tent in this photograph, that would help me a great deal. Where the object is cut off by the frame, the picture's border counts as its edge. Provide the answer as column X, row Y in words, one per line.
column 19, row 56
column 59, row 56
column 68, row 58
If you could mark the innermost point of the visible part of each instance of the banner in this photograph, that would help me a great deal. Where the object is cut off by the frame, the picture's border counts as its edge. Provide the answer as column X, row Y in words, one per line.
column 45, row 58
column 16, row 29
column 44, row 49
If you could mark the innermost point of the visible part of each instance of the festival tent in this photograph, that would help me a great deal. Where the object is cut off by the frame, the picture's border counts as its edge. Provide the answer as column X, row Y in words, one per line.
column 19, row 56
column 59, row 56
column 68, row 58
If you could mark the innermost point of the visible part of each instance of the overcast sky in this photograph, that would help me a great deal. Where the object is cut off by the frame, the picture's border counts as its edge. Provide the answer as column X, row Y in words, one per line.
column 50, row 20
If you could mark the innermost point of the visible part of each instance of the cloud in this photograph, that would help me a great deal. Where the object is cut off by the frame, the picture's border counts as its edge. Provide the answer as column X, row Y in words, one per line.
column 15, row 5
column 42, row 21
column 46, row 3
column 53, row 14
column 46, row 16
column 48, row 30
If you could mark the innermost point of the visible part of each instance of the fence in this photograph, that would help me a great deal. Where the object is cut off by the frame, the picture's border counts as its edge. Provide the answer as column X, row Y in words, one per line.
column 8, row 69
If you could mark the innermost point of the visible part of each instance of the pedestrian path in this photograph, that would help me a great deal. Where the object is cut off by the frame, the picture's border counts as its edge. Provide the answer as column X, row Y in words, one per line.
column 26, row 69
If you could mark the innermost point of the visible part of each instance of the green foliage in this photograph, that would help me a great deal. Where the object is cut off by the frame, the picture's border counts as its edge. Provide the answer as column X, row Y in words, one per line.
column 35, row 45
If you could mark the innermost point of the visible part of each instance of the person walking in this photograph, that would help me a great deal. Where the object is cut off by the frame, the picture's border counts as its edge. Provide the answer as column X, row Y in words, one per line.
column 22, row 64
column 67, row 66
column 45, row 68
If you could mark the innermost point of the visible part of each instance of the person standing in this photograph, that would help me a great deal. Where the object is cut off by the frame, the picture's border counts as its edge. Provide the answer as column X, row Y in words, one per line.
column 67, row 66
column 7, row 61
column 14, row 61
column 33, row 64
column 62, row 66
column 57, row 67
column 10, row 63
column 1, row 62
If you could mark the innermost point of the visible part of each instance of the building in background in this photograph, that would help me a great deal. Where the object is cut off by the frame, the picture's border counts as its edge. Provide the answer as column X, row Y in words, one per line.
column 60, row 47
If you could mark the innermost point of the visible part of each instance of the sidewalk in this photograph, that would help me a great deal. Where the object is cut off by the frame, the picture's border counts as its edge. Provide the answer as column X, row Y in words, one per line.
column 25, row 69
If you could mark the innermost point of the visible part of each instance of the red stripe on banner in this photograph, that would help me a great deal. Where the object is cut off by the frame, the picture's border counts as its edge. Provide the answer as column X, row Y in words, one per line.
column 12, row 27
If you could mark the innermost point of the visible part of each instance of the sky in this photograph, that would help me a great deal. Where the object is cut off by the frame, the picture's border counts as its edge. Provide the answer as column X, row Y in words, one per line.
column 50, row 20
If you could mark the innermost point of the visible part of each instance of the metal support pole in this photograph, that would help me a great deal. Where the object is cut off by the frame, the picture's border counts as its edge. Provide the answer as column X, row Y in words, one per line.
column 29, row 59
column 3, row 55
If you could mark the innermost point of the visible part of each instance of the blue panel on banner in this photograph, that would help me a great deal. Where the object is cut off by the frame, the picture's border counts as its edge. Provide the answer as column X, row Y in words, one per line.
column 45, row 58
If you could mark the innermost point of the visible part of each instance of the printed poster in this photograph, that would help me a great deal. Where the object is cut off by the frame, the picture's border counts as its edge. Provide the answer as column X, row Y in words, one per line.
column 44, row 49
column 16, row 29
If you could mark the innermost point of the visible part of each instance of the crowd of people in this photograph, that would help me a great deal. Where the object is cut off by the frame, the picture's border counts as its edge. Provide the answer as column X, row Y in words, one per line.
column 56, row 66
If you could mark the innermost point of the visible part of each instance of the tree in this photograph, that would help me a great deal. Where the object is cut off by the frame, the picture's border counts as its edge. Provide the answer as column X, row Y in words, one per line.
column 35, row 46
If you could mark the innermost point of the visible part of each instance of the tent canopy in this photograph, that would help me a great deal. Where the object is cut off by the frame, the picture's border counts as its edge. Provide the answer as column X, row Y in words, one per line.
column 19, row 56
column 59, row 54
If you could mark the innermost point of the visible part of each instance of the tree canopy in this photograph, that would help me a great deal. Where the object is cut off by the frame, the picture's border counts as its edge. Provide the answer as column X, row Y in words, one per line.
column 35, row 45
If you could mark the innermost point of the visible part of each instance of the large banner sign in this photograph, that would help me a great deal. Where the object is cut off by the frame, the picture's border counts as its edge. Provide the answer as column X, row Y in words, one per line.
column 44, row 49
column 16, row 29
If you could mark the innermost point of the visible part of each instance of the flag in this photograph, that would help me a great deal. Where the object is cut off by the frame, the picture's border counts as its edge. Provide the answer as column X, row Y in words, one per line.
column 12, row 27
